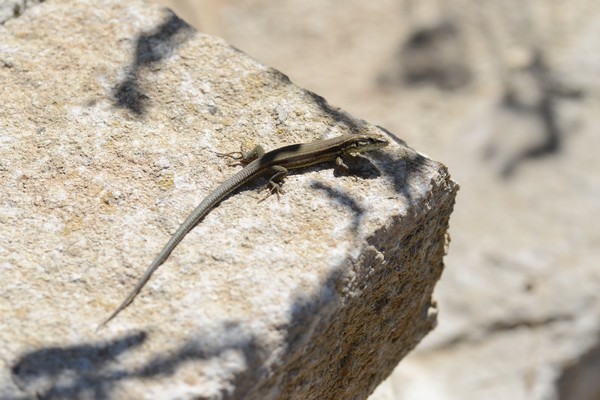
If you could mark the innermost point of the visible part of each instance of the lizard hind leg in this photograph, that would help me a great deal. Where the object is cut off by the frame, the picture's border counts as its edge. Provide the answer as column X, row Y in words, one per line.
column 243, row 157
column 275, row 182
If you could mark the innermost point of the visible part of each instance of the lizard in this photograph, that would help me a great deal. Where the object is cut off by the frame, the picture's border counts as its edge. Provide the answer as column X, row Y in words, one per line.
column 258, row 163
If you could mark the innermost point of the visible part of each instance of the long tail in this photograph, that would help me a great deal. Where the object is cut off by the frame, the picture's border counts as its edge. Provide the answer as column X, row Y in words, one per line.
column 211, row 201
column 187, row 226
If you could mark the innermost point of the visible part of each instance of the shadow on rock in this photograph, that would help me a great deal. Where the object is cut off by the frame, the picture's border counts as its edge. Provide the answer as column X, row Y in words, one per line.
column 150, row 49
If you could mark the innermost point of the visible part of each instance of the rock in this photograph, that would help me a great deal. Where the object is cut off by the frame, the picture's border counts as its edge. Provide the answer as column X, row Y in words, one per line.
column 111, row 119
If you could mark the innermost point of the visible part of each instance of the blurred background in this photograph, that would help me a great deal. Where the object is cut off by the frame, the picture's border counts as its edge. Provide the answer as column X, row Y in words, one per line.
column 507, row 94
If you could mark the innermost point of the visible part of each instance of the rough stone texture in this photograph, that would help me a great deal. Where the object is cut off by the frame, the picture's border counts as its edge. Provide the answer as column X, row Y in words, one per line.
column 110, row 120
column 519, row 309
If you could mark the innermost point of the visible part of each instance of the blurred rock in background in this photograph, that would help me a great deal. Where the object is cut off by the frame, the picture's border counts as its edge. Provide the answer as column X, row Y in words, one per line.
column 508, row 94
column 431, row 55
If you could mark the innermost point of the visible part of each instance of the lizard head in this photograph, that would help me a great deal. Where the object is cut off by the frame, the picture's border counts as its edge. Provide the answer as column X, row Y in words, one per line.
column 363, row 143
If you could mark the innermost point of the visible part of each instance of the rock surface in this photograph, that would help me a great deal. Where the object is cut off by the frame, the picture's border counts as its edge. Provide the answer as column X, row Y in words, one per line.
column 519, row 310
column 111, row 117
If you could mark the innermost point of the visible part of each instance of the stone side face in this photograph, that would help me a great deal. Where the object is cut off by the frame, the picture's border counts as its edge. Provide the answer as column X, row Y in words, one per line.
column 382, row 310
column 111, row 119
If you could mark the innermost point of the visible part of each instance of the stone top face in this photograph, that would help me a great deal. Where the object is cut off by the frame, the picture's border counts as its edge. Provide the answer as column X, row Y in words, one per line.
column 111, row 118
